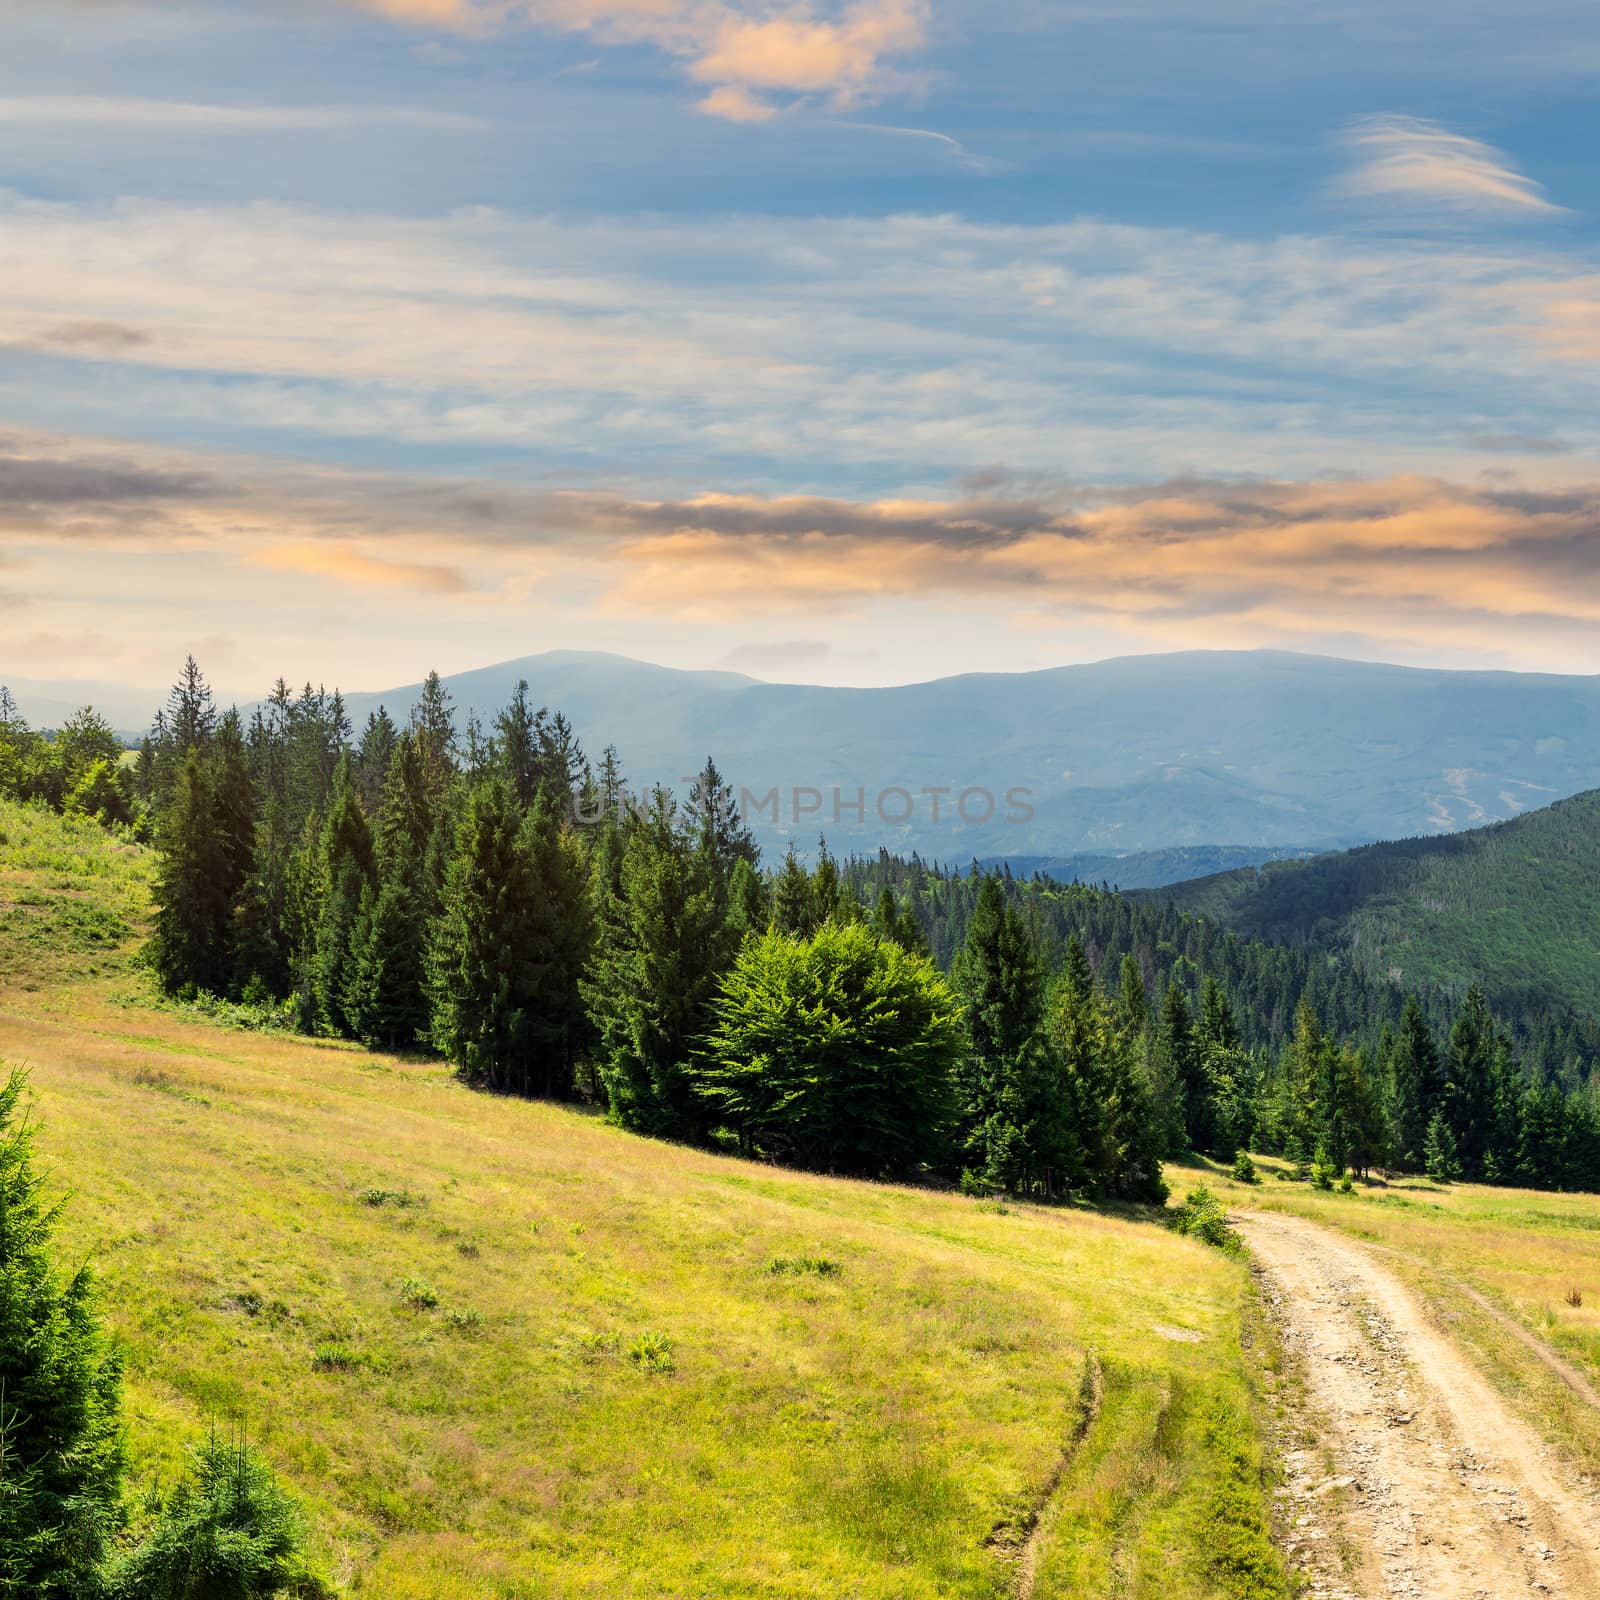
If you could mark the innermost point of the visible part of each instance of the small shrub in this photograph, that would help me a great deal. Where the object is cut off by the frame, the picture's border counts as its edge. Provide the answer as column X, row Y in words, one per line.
column 1322, row 1169
column 652, row 1352
column 228, row 1530
column 1244, row 1169
column 1202, row 1216
column 799, row 1266
column 403, row 1198
column 1347, row 1184
column 418, row 1294
column 1574, row 1298
column 974, row 1184
column 463, row 1319
column 335, row 1357
column 468, row 1248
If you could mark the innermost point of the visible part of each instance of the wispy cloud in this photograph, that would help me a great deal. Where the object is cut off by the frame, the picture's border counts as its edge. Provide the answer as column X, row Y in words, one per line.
column 1409, row 160
column 95, row 111
column 969, row 159
column 820, row 348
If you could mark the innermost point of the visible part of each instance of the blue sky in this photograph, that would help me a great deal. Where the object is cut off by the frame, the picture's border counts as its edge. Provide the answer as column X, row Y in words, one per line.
column 857, row 342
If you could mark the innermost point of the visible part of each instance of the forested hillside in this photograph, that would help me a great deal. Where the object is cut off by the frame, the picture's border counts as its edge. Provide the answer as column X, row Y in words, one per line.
column 491, row 895
column 1515, row 906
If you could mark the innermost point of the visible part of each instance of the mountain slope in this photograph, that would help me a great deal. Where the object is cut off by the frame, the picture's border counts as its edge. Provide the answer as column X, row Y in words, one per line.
column 1517, row 903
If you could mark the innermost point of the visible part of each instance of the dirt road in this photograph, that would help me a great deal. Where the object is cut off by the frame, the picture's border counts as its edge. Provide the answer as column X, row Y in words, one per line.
column 1437, row 1491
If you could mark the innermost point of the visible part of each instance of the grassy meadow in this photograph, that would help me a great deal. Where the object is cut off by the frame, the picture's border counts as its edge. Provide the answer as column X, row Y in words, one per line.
column 501, row 1349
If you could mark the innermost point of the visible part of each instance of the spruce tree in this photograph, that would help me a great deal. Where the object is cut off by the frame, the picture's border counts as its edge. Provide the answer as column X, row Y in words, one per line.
column 793, row 907
column 1440, row 1157
column 510, row 947
column 661, row 945
column 1414, row 1085
column 192, row 908
column 60, row 1391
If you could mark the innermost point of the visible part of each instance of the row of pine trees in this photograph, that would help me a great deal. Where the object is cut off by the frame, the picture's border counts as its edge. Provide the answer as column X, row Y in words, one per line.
column 490, row 895
column 501, row 901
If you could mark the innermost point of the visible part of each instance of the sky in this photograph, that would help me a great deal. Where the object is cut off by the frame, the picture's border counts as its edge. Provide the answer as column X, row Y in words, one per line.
column 857, row 341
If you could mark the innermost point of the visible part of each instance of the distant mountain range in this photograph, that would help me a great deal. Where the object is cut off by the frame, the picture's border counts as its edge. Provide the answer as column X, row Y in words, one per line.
column 1515, row 906
column 1266, row 752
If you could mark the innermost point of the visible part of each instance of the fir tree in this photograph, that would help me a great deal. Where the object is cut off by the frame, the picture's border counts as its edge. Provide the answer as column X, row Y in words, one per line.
column 60, row 1391
column 661, row 944
column 192, row 910
column 1439, row 1155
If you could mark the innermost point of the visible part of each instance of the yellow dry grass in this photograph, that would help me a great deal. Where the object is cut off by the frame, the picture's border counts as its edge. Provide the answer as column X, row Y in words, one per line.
column 502, row 1349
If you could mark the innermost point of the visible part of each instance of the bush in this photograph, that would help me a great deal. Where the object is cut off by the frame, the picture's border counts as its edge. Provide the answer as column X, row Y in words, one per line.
column 227, row 1532
column 418, row 1294
column 337, row 1357
column 835, row 1052
column 463, row 1319
column 798, row 1266
column 652, row 1352
column 1203, row 1216
column 1347, row 1184
column 1244, row 1169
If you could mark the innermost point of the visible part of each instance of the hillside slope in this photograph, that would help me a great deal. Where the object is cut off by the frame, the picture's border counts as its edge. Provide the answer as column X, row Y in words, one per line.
column 1516, row 905
column 504, row 1350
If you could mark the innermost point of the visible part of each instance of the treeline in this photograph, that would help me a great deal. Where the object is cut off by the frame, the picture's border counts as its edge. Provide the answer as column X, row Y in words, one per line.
column 77, row 768
column 1282, row 1050
column 494, row 896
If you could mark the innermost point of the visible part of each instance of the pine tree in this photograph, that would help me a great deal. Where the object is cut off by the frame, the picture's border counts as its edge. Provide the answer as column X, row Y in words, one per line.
column 1185, row 1069
column 434, row 729
column 510, row 947
column 1415, row 1085
column 517, row 745
column 1469, row 1071
column 60, row 1391
column 348, row 878
column 661, row 944
column 373, row 755
column 793, row 907
column 1439, row 1155
column 192, row 909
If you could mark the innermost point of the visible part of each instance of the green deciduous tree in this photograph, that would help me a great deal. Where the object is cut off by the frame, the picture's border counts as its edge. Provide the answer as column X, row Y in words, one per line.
column 833, row 1052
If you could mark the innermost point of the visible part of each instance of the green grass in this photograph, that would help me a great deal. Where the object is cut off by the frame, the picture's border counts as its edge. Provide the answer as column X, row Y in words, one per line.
column 504, row 1350
column 73, row 900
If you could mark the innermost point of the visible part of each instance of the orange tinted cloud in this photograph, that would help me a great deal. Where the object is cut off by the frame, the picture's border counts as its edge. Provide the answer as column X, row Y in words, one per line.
column 746, row 52
column 355, row 567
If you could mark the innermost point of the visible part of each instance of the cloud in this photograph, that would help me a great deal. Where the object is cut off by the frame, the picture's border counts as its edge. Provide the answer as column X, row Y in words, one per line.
column 781, row 655
column 814, row 350
column 359, row 569
column 94, row 111
column 736, row 104
column 1396, row 567
column 1408, row 159
column 757, row 58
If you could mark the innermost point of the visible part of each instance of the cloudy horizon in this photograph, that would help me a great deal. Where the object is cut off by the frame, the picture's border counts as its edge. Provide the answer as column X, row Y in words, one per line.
column 852, row 343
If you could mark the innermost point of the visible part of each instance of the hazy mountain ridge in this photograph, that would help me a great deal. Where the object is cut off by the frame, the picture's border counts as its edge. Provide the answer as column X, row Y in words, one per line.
column 1273, row 751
